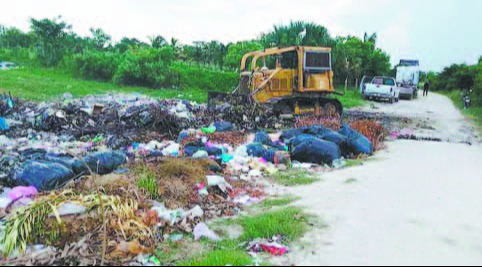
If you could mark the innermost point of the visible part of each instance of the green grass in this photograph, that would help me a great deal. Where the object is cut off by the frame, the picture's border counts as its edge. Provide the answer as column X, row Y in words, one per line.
column 474, row 113
column 351, row 181
column 354, row 162
column 148, row 182
column 289, row 222
column 294, row 178
column 224, row 257
column 46, row 84
column 351, row 99
column 39, row 84
column 277, row 202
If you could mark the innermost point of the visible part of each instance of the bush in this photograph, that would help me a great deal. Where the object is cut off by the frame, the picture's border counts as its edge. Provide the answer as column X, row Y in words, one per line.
column 145, row 67
column 193, row 76
column 97, row 65
column 22, row 56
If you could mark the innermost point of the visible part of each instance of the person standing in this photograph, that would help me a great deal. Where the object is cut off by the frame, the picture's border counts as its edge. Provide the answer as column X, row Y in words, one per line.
column 426, row 87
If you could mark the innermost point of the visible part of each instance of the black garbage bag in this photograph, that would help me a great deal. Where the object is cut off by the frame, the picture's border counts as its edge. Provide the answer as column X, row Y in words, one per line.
column 223, row 126
column 279, row 145
column 105, row 162
column 270, row 154
column 326, row 134
column 43, row 175
column 356, row 142
column 298, row 140
column 288, row 134
column 316, row 151
column 192, row 148
column 214, row 151
column 256, row 150
column 76, row 165
column 263, row 138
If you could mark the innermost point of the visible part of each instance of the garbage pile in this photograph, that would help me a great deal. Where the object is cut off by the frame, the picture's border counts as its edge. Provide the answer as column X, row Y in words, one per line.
column 130, row 208
column 121, row 119
column 128, row 172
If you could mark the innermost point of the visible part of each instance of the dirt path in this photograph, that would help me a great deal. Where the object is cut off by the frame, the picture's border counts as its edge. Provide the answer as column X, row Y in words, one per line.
column 416, row 203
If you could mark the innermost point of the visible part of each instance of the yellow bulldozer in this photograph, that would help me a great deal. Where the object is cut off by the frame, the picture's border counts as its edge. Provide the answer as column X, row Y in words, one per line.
column 294, row 80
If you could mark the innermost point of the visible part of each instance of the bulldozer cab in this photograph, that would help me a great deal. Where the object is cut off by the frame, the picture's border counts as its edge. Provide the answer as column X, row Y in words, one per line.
column 280, row 72
column 293, row 80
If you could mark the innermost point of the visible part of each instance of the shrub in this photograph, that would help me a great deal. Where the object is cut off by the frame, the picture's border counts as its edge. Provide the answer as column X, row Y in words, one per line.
column 97, row 65
column 22, row 56
column 194, row 76
column 145, row 67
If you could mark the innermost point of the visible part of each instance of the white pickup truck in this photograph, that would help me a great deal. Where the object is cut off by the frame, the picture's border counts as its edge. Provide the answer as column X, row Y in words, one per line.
column 380, row 88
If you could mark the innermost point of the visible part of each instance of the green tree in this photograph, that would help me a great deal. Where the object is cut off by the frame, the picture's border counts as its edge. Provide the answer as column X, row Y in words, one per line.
column 158, row 41
column 370, row 38
column 50, row 40
column 297, row 33
column 100, row 39
column 236, row 51
column 14, row 38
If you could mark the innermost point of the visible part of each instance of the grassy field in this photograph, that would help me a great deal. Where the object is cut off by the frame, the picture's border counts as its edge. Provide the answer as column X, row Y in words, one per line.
column 351, row 99
column 46, row 84
column 474, row 113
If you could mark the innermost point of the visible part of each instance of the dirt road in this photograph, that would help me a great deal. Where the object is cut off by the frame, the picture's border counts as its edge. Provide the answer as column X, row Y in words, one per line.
column 416, row 203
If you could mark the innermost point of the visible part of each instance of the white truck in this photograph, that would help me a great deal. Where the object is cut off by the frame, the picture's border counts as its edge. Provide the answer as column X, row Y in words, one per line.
column 380, row 88
column 408, row 77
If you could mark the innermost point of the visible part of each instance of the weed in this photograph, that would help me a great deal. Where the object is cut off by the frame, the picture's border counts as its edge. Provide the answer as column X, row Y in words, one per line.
column 220, row 258
column 350, row 181
column 289, row 222
column 352, row 98
column 354, row 162
column 277, row 202
column 294, row 177
column 148, row 182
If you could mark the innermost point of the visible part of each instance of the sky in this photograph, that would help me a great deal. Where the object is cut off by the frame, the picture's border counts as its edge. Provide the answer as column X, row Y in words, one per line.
column 437, row 32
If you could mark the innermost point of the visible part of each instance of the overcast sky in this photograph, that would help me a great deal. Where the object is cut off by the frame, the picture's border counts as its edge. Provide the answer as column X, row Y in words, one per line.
column 438, row 32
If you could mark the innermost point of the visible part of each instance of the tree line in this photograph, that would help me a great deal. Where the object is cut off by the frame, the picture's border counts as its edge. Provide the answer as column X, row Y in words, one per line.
column 168, row 63
column 459, row 77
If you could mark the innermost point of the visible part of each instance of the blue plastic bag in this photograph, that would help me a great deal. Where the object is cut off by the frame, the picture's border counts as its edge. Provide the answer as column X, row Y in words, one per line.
column 4, row 125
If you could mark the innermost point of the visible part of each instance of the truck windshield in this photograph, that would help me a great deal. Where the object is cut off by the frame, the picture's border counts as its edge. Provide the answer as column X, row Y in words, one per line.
column 384, row 81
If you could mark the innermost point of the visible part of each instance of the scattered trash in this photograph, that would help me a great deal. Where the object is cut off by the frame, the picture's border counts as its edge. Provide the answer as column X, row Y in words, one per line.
column 316, row 151
column 43, row 175
column 223, row 126
column 357, row 143
column 202, row 230
column 270, row 246
column 105, row 162
column 4, row 125
column 22, row 192
column 195, row 164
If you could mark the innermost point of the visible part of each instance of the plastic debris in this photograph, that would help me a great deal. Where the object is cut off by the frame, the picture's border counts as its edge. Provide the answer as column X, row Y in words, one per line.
column 202, row 230
column 67, row 209
column 22, row 192
column 105, row 162
column 4, row 125
column 316, row 151
column 223, row 126
column 357, row 143
column 43, row 175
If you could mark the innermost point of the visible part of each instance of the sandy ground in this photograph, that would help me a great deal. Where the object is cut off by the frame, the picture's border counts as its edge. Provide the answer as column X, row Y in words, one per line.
column 416, row 203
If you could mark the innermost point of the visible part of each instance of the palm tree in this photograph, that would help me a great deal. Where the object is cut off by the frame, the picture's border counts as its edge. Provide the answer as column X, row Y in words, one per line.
column 371, row 38
column 297, row 33
column 158, row 41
